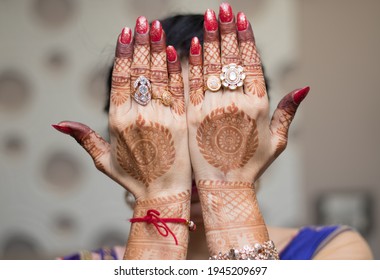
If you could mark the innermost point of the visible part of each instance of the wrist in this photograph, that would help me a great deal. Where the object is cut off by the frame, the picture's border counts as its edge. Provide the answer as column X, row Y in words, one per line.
column 231, row 214
column 146, row 242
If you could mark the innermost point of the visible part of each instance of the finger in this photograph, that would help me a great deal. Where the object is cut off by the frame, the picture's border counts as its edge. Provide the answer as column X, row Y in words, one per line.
column 92, row 142
column 196, row 73
column 211, row 46
column 141, row 52
column 176, row 87
column 283, row 116
column 158, row 64
column 254, row 83
column 229, row 43
column 121, row 73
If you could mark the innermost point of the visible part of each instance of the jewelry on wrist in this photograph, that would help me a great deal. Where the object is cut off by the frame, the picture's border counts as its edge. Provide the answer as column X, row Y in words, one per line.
column 265, row 251
column 152, row 217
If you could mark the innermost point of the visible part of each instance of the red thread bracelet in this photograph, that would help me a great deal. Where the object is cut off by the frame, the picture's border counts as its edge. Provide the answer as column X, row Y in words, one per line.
column 153, row 217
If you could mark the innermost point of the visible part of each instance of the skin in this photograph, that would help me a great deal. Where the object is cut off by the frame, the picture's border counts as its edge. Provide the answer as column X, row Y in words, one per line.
column 151, row 146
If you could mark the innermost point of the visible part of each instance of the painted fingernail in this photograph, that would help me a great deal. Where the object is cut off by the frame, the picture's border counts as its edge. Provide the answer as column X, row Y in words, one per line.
column 126, row 35
column 156, row 31
column 142, row 25
column 225, row 12
column 171, row 54
column 242, row 22
column 300, row 95
column 211, row 23
column 63, row 129
column 195, row 47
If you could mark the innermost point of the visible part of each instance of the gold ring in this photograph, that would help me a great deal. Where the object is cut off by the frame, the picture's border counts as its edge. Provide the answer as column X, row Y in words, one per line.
column 213, row 83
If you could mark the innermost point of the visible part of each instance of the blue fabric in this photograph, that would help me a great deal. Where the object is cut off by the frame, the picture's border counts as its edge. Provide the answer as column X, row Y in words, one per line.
column 304, row 245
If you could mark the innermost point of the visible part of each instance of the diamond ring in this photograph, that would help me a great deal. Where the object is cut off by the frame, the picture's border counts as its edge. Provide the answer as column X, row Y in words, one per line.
column 142, row 94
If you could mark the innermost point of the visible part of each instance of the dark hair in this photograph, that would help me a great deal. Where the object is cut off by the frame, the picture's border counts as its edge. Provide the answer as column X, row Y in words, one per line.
column 179, row 30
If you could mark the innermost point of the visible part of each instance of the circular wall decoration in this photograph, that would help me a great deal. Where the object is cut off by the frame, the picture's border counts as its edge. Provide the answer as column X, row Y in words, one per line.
column 54, row 13
column 14, row 91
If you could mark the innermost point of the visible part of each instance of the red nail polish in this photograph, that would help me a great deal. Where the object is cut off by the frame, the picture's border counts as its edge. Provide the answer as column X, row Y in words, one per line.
column 126, row 35
column 171, row 54
column 211, row 23
column 156, row 31
column 242, row 22
column 300, row 95
column 63, row 129
column 195, row 47
column 142, row 25
column 225, row 12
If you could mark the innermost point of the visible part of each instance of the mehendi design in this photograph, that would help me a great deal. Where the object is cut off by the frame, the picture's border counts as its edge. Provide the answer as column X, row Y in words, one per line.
column 212, row 65
column 287, row 112
column 139, row 243
column 254, row 82
column 159, row 74
column 88, row 143
column 145, row 150
column 177, row 91
column 196, row 84
column 141, row 62
column 120, row 88
column 230, row 49
column 231, row 214
column 227, row 138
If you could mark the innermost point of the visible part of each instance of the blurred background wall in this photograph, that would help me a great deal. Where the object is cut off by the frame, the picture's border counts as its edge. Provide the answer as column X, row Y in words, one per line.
column 54, row 58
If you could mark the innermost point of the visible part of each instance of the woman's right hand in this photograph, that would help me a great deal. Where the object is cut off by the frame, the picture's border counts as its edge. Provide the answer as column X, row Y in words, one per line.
column 148, row 150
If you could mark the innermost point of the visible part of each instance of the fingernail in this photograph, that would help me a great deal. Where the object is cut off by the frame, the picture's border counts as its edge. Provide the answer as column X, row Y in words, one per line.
column 126, row 35
column 225, row 12
column 242, row 22
column 195, row 47
column 211, row 22
column 142, row 25
column 156, row 31
column 300, row 95
column 63, row 129
column 171, row 54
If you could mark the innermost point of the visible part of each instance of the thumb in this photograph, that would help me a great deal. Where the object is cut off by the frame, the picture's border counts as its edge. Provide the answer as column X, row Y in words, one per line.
column 283, row 116
column 92, row 142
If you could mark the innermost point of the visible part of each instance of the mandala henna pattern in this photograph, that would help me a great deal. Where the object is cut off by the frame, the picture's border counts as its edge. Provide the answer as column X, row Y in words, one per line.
column 145, row 151
column 227, row 138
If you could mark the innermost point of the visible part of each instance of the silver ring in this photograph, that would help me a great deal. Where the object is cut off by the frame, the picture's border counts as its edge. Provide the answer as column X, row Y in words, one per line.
column 142, row 94
column 232, row 76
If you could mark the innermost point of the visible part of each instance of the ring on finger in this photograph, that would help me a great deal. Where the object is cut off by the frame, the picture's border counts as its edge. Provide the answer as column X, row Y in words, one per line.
column 142, row 94
column 232, row 76
column 165, row 98
column 213, row 83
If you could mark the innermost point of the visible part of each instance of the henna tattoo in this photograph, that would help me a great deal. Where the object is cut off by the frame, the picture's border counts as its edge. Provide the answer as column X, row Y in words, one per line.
column 145, row 150
column 230, row 49
column 287, row 112
column 196, row 84
column 120, row 88
column 140, row 245
column 212, row 65
column 231, row 214
column 177, row 91
column 141, row 62
column 88, row 143
column 227, row 138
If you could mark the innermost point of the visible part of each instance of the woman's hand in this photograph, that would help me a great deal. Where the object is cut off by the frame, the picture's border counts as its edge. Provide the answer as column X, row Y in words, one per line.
column 232, row 139
column 148, row 151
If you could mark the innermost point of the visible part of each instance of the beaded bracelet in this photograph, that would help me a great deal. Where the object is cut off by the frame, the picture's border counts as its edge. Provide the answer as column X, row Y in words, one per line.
column 265, row 251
